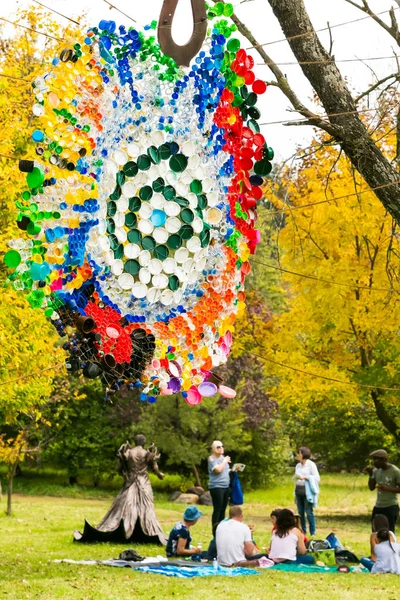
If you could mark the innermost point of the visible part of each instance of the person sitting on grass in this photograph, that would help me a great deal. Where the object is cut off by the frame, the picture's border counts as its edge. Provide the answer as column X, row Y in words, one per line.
column 287, row 543
column 379, row 522
column 387, row 554
column 234, row 542
column 180, row 539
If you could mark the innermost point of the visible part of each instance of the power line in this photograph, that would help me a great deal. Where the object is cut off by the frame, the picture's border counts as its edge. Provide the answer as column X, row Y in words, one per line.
column 300, row 35
column 363, row 385
column 370, row 189
column 30, row 29
column 56, row 12
column 323, row 62
column 16, row 78
column 120, row 11
column 314, row 278
column 30, row 374
column 306, row 119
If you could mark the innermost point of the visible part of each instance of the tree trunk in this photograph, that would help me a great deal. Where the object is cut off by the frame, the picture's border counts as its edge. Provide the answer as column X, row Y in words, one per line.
column 196, row 476
column 11, row 474
column 385, row 418
column 335, row 97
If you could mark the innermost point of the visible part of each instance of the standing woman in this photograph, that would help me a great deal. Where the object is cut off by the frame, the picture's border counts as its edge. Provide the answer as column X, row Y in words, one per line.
column 307, row 488
column 218, row 470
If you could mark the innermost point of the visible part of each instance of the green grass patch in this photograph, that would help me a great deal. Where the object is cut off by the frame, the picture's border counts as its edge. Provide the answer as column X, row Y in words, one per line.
column 42, row 526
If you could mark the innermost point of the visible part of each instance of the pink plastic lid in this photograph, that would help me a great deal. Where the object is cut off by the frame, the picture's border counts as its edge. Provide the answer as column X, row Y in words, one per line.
column 193, row 396
column 226, row 392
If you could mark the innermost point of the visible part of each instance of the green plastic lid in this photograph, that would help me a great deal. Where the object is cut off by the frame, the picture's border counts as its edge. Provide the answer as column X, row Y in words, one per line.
column 165, row 151
column 12, row 259
column 135, row 204
column 178, row 163
column 144, row 162
column 173, row 283
column 186, row 232
column 169, row 192
column 196, row 186
column 132, row 267
column 187, row 215
column 154, row 155
column 146, row 193
column 111, row 208
column 130, row 169
column 134, row 236
column 158, row 185
column 148, row 243
column 161, row 252
column 174, row 241
column 130, row 220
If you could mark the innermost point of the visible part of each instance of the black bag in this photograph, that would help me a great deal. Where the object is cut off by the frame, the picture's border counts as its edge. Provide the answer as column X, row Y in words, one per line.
column 343, row 556
column 131, row 554
column 300, row 489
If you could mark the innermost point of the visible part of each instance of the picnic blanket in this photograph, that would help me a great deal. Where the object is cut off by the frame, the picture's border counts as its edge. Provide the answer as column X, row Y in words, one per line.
column 188, row 572
column 313, row 569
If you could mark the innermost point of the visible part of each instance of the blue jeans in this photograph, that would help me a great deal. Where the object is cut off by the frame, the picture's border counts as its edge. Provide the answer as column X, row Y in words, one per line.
column 306, row 508
column 367, row 562
column 303, row 559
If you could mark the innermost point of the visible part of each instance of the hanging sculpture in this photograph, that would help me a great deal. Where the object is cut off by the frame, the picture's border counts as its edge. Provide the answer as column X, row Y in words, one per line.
column 139, row 211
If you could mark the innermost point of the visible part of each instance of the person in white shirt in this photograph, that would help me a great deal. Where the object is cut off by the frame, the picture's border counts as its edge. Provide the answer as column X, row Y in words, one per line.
column 233, row 539
column 307, row 488
column 387, row 554
column 287, row 542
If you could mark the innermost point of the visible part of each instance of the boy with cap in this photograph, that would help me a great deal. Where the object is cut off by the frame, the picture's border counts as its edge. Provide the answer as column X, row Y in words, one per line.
column 386, row 479
column 180, row 539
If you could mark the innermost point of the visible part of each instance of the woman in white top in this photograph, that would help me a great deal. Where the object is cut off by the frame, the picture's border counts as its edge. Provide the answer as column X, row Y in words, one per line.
column 287, row 542
column 379, row 522
column 307, row 488
column 387, row 554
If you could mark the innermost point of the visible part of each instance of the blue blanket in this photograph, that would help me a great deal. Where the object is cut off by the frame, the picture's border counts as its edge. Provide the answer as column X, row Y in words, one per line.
column 188, row 572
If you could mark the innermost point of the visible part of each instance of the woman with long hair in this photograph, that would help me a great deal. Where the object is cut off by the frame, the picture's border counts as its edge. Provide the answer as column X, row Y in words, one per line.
column 378, row 522
column 387, row 554
column 287, row 542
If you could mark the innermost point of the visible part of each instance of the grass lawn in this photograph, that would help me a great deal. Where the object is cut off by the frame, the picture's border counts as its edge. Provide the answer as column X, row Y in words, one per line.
column 41, row 531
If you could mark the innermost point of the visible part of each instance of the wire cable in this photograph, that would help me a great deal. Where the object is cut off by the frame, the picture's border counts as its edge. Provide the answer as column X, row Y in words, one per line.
column 300, row 35
column 30, row 29
column 370, row 189
column 352, row 383
column 30, row 374
column 56, row 12
column 330, row 281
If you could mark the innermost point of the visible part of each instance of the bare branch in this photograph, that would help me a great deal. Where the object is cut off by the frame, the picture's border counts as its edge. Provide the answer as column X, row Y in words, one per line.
column 375, row 86
column 330, row 41
column 281, row 80
column 392, row 29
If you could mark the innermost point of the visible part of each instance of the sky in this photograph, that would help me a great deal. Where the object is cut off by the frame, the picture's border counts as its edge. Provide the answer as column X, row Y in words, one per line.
column 362, row 40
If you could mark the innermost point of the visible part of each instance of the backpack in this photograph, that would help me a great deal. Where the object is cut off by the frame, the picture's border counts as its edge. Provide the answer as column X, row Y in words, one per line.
column 236, row 491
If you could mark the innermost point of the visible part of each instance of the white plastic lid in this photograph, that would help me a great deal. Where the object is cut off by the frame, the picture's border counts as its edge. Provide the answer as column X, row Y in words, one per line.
column 173, row 225
column 126, row 281
column 131, row 250
column 139, row 290
column 172, row 209
column 160, row 235
column 169, row 266
column 144, row 275
column 145, row 226
column 155, row 266
column 117, row 267
column 144, row 258
column 181, row 255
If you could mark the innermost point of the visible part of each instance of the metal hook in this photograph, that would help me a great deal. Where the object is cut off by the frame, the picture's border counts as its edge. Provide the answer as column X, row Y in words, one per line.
column 182, row 54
